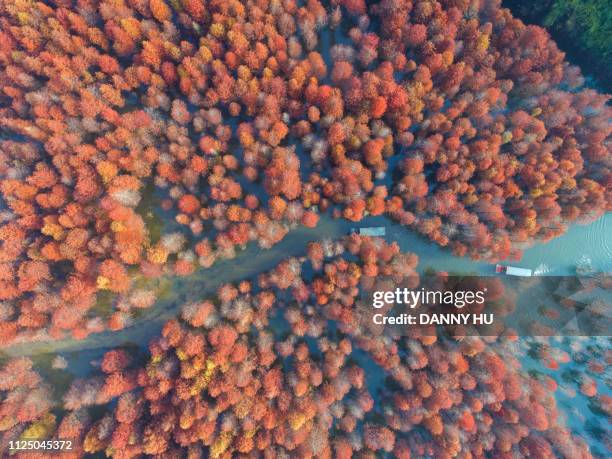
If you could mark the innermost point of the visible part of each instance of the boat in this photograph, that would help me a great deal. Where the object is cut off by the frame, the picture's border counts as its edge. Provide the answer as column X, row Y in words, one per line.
column 378, row 231
column 584, row 267
column 513, row 271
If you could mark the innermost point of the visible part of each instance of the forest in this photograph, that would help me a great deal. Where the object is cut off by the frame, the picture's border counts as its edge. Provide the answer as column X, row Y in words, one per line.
column 243, row 119
column 224, row 380
column 582, row 28
column 468, row 128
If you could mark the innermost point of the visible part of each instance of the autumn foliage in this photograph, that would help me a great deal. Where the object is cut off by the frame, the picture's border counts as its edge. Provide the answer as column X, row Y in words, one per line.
column 489, row 136
column 143, row 139
column 258, row 370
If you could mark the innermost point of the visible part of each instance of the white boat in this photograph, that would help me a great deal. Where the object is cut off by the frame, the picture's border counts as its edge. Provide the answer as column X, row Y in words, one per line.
column 370, row 231
column 513, row 271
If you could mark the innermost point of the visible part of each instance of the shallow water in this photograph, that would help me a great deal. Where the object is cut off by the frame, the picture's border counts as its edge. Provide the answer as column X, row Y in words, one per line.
column 560, row 255
column 577, row 411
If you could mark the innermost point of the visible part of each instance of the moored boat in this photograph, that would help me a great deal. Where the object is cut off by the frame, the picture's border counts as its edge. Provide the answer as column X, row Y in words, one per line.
column 513, row 271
